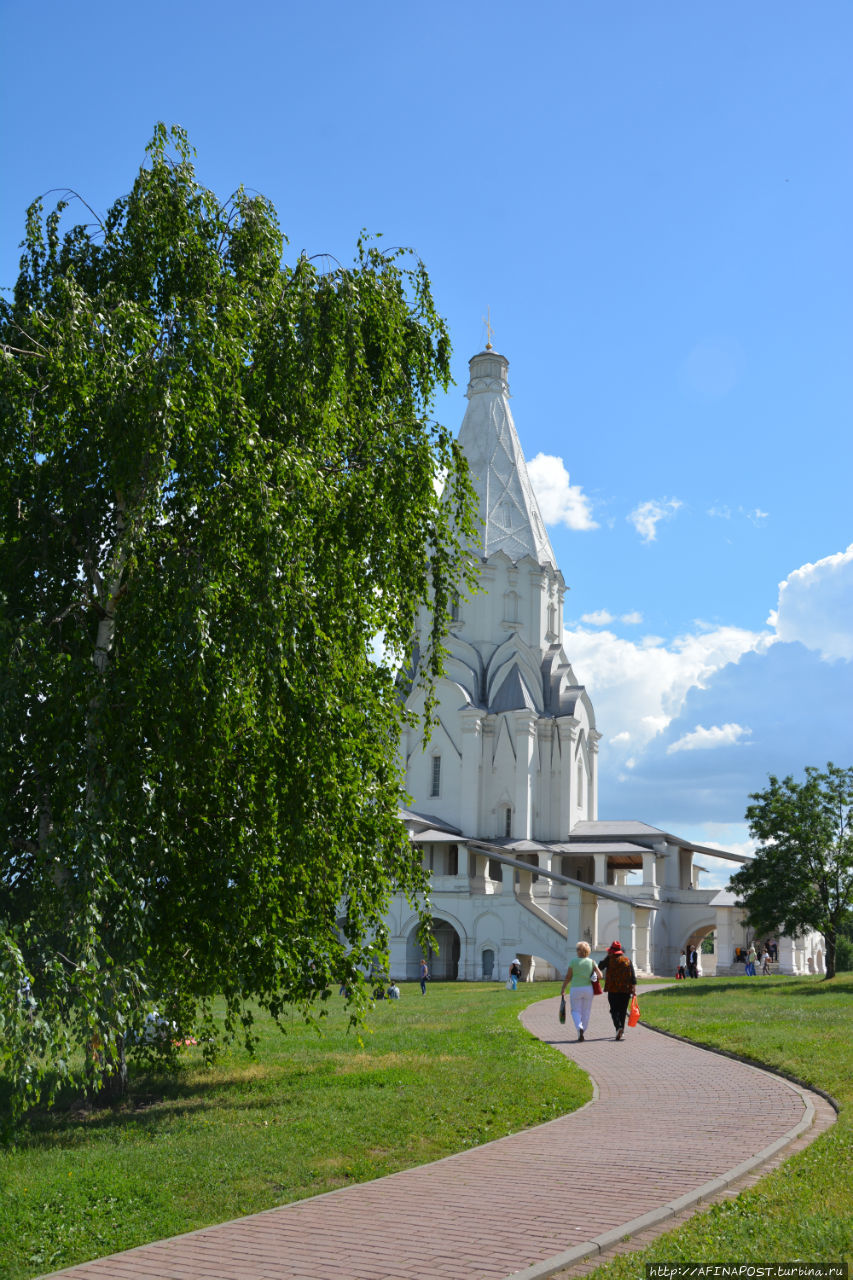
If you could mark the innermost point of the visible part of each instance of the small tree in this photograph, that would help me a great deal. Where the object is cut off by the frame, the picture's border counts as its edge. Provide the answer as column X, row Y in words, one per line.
column 802, row 876
column 218, row 485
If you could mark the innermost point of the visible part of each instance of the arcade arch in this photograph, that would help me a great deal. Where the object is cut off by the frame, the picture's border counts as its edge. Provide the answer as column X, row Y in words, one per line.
column 444, row 960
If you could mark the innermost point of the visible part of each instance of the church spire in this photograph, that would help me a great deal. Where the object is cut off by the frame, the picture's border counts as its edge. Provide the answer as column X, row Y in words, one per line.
column 507, row 507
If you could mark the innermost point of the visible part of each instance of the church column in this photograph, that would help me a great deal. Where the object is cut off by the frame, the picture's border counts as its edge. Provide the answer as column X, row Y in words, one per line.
column 567, row 728
column 480, row 882
column 466, row 970
column 471, row 720
column 787, row 956
column 545, row 886
column 525, row 742
column 672, row 865
column 724, row 944
column 600, row 873
column 626, row 928
column 573, row 917
column 650, row 870
column 594, row 737
column 525, row 884
column 545, row 797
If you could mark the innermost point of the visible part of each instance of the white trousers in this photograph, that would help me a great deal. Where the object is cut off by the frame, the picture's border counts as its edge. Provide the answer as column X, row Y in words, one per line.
column 581, row 1003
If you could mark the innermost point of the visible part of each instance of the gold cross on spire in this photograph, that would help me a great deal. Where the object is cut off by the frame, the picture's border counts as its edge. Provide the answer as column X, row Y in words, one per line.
column 487, row 321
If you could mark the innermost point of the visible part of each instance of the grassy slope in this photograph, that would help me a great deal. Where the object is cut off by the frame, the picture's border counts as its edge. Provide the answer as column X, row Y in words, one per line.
column 804, row 1210
column 311, row 1112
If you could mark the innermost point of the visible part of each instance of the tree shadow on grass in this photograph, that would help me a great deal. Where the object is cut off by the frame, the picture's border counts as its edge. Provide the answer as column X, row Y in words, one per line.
column 155, row 1100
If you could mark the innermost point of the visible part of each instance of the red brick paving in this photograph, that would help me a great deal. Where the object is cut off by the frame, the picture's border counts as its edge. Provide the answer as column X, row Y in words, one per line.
column 676, row 1123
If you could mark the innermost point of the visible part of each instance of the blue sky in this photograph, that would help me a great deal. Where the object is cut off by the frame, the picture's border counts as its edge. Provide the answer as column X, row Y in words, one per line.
column 654, row 199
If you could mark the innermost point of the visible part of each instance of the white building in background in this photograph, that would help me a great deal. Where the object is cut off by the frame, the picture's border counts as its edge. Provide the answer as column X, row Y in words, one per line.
column 505, row 792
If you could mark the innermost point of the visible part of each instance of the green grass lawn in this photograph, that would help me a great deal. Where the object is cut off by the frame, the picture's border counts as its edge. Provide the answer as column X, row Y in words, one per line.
column 309, row 1113
column 312, row 1112
column 803, row 1210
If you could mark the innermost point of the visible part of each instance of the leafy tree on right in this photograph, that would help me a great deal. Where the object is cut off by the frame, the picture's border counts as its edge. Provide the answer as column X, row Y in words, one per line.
column 802, row 876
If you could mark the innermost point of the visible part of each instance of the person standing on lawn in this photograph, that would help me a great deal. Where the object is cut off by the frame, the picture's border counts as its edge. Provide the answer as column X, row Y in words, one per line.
column 620, row 983
column 580, row 974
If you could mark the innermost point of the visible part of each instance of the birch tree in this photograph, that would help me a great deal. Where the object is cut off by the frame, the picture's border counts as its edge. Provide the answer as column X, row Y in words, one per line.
column 218, row 486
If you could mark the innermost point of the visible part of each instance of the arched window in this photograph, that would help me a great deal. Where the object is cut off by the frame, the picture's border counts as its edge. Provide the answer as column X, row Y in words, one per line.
column 435, row 782
column 507, row 822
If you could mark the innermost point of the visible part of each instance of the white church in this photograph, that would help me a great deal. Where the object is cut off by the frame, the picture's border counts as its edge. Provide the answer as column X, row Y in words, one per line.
column 505, row 791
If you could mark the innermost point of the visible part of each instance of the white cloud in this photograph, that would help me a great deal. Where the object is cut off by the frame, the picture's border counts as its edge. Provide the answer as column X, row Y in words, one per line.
column 603, row 618
column 787, row 682
column 638, row 687
column 755, row 515
column 816, row 606
column 647, row 516
column 702, row 739
column 797, row 707
column 559, row 501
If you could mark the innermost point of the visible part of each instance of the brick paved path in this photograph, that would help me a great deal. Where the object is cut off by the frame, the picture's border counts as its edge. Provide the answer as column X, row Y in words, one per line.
column 673, row 1122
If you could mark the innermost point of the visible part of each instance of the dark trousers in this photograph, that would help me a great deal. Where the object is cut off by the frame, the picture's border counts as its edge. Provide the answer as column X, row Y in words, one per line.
column 619, row 1001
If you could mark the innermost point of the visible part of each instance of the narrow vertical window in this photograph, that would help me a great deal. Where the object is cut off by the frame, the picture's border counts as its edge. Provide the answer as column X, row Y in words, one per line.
column 580, row 782
column 435, row 788
column 508, row 822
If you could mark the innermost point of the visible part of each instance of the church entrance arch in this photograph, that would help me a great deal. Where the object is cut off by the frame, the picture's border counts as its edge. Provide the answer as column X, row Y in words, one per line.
column 443, row 960
column 707, row 963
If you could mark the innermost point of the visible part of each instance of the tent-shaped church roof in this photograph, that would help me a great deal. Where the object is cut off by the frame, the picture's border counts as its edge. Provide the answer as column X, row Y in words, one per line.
column 507, row 506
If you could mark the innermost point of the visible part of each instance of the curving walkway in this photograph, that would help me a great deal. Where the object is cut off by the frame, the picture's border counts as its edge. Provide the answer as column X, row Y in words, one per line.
column 670, row 1123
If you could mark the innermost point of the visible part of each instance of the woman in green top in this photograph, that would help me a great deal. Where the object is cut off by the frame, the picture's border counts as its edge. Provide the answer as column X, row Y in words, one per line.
column 580, row 974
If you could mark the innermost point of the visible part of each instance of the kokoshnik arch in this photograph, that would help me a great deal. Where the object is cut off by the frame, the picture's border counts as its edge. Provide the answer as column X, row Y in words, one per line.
column 505, row 792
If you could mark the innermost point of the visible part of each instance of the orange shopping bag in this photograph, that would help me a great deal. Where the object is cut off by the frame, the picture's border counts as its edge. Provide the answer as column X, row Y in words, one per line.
column 634, row 1014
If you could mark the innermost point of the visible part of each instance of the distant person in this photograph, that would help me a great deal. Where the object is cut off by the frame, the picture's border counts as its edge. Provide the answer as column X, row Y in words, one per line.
column 515, row 973
column 751, row 958
column 393, row 992
column 765, row 963
column 693, row 962
column 682, row 965
column 580, row 974
column 620, row 983
column 424, row 976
